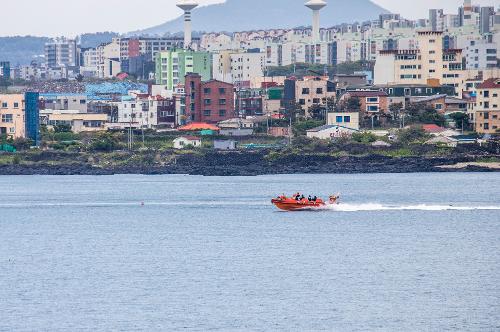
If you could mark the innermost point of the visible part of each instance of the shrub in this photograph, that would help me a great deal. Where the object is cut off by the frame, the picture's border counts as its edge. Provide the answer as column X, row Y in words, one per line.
column 364, row 137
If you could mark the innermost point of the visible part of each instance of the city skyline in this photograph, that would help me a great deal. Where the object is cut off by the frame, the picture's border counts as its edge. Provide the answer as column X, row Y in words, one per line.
column 124, row 19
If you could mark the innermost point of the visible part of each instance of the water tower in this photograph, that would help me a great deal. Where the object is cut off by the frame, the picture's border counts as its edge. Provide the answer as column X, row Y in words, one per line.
column 316, row 6
column 187, row 6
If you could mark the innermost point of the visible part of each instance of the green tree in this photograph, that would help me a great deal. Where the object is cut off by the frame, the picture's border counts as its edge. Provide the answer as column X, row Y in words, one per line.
column 105, row 141
column 301, row 128
column 411, row 135
column 461, row 120
column 365, row 137
column 62, row 128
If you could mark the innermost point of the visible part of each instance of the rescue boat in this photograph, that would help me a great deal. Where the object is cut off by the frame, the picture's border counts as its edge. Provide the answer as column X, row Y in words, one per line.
column 295, row 203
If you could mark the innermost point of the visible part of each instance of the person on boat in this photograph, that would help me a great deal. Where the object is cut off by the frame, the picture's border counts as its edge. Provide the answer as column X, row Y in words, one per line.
column 315, row 198
column 309, row 198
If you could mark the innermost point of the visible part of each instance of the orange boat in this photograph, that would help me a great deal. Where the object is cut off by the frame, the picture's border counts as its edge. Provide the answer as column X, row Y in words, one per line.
column 296, row 203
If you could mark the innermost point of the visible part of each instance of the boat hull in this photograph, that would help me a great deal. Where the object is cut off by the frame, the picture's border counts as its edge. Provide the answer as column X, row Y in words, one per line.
column 291, row 205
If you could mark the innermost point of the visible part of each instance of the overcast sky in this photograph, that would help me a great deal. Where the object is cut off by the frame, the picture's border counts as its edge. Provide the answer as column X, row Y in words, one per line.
column 69, row 17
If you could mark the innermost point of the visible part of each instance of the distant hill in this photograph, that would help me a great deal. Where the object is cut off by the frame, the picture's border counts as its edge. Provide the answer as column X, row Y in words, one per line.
column 24, row 49
column 21, row 50
column 239, row 15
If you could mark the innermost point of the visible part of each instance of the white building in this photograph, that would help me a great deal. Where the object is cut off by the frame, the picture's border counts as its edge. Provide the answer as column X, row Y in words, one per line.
column 330, row 132
column 136, row 113
column 238, row 66
column 481, row 54
column 61, row 52
column 186, row 141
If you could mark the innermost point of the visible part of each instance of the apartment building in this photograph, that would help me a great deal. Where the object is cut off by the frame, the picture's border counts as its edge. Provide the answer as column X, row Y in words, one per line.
column 151, row 46
column 134, row 112
column 429, row 64
column 371, row 102
column 78, row 121
column 56, row 101
column 62, row 52
column 487, row 109
column 109, row 64
column 480, row 54
column 309, row 91
column 238, row 66
column 173, row 66
column 12, row 115
column 211, row 101
column 5, row 69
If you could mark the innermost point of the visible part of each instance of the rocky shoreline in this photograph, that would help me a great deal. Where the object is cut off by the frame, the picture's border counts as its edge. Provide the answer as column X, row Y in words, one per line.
column 252, row 164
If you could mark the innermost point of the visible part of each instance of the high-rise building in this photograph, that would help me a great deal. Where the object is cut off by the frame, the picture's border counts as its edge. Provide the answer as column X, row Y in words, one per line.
column 429, row 64
column 32, row 117
column 436, row 19
column 61, row 52
column 485, row 19
column 5, row 69
column 172, row 66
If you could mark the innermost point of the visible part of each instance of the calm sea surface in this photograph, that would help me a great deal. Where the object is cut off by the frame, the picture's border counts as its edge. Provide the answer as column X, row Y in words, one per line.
column 403, row 252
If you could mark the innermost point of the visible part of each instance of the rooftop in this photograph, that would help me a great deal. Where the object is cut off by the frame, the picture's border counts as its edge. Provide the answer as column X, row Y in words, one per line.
column 492, row 83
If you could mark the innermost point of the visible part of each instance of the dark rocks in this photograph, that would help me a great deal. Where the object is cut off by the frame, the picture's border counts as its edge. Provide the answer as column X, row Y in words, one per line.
column 248, row 164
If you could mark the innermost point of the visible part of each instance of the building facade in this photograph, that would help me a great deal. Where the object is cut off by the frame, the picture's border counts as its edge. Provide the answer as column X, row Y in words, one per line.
column 487, row 110
column 12, row 115
column 173, row 66
column 211, row 101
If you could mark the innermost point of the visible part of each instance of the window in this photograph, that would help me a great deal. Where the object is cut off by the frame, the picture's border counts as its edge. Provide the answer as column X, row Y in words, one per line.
column 338, row 119
column 347, row 119
column 82, row 101
column 486, row 104
column 305, row 91
column 222, row 91
column 486, row 126
column 372, row 108
column 316, row 101
column 432, row 71
column 372, row 100
column 432, row 52
column 207, row 101
column 486, row 94
column 16, row 105
column 319, row 91
column 439, row 106
column 302, row 101
column 12, row 130
column 222, row 113
column 432, row 41
column 5, row 105
column 222, row 101
column 7, row 118
column 207, row 112
column 486, row 115
column 207, row 91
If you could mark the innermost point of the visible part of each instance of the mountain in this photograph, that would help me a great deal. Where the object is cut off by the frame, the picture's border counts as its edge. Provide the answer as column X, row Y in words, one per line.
column 240, row 15
column 21, row 50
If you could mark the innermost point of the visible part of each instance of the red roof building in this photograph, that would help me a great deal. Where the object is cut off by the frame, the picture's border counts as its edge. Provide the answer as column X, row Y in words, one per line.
column 197, row 126
column 433, row 129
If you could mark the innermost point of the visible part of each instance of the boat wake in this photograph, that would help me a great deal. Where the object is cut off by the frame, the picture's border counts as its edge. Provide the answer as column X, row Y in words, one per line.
column 346, row 207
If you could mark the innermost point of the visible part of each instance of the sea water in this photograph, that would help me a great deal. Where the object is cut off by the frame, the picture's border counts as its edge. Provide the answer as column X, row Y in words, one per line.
column 401, row 252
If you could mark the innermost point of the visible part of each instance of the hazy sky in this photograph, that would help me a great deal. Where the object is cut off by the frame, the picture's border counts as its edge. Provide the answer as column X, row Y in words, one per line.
column 69, row 17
